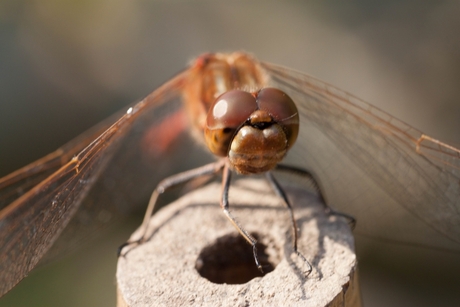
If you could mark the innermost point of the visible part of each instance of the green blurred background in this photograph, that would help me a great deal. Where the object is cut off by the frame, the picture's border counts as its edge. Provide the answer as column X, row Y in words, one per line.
column 65, row 65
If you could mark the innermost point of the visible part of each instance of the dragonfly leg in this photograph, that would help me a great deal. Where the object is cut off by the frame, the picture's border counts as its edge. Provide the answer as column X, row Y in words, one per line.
column 226, row 177
column 306, row 174
column 281, row 194
column 163, row 186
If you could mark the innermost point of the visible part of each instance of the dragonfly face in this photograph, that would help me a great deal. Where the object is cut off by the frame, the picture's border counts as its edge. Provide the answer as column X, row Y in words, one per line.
column 397, row 182
column 253, row 130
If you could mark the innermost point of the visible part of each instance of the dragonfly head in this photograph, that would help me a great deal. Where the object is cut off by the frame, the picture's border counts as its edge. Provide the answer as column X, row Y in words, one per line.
column 254, row 130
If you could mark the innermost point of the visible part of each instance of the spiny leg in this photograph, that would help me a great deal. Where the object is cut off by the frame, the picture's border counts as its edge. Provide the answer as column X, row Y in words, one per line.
column 163, row 186
column 304, row 173
column 281, row 194
column 226, row 178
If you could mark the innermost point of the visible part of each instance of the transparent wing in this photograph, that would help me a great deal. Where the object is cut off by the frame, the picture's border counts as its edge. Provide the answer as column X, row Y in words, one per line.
column 21, row 181
column 111, row 176
column 398, row 183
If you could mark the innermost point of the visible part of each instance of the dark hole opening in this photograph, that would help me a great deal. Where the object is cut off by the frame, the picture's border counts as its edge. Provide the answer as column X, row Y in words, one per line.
column 230, row 260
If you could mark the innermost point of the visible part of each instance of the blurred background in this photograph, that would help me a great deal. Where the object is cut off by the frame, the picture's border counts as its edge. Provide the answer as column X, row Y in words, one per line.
column 66, row 65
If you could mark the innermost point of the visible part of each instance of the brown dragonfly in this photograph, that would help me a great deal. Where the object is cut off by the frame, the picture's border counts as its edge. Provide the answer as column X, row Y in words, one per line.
column 398, row 183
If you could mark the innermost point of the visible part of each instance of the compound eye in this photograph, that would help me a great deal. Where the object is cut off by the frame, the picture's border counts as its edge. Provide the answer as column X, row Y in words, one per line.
column 231, row 110
column 226, row 115
column 277, row 103
column 282, row 109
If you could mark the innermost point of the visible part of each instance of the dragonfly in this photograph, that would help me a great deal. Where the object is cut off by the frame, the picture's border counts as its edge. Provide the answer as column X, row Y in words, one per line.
column 398, row 183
